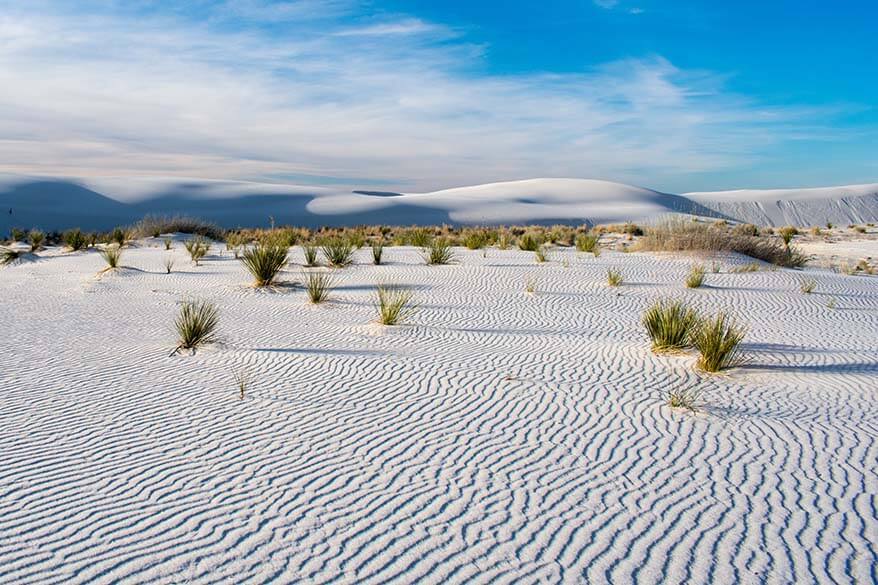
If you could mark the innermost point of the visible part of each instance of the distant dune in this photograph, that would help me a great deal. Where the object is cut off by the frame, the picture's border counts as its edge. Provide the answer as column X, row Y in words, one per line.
column 103, row 203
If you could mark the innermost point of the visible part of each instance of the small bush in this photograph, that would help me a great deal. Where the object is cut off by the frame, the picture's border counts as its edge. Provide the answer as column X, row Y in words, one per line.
column 9, row 256
column 475, row 239
column 614, row 277
column 686, row 398
column 264, row 262
column 749, row 267
column 669, row 325
column 695, row 278
column 169, row 244
column 717, row 341
column 339, row 252
column 112, row 255
column 36, row 239
column 787, row 234
column 197, row 248
column 420, row 237
column 118, row 236
column 807, row 285
column 310, row 254
column 503, row 241
column 541, row 254
column 318, row 285
column 75, row 239
column 587, row 242
column 168, row 263
column 17, row 234
column 529, row 242
column 154, row 226
column 196, row 324
column 394, row 304
column 439, row 252
column 377, row 252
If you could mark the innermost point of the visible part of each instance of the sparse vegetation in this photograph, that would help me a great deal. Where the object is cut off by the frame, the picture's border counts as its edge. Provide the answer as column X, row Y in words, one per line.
column 614, row 277
column 242, row 380
column 529, row 242
column 439, row 252
column 688, row 398
column 807, row 285
column 475, row 239
column 264, row 262
column 587, row 242
column 318, row 285
column 541, row 254
column 394, row 304
column 669, row 325
column 196, row 324
column 787, row 234
column 154, row 226
column 339, row 252
column 169, row 244
column 377, row 252
column 118, row 236
column 197, row 248
column 9, row 256
column 36, row 238
column 695, row 278
column 168, row 263
column 420, row 237
column 530, row 286
column 718, row 340
column 112, row 255
column 75, row 239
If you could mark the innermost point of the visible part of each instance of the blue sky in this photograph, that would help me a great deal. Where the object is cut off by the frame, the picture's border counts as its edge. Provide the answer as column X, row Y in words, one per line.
column 421, row 95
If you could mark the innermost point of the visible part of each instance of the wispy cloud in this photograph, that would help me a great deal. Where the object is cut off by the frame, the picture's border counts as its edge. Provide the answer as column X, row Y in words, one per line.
column 395, row 99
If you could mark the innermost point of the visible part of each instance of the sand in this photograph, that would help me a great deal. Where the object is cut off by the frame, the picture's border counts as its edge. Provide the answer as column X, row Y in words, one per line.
column 500, row 437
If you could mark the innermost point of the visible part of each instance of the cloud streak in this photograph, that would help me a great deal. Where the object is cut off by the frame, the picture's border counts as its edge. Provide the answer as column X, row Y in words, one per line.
column 392, row 100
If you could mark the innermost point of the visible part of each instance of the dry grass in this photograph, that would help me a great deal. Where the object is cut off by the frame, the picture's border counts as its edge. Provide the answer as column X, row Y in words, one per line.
column 718, row 340
column 670, row 325
column 695, row 278
column 394, row 304
column 614, row 277
column 318, row 285
column 196, row 325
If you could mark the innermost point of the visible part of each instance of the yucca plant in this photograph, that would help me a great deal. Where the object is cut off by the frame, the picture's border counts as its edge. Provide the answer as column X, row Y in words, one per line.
column 394, row 304
column 36, row 239
column 807, row 285
column 377, row 252
column 686, row 398
column 264, row 262
column 339, row 252
column 475, row 239
column 75, row 239
column 541, row 254
column 695, row 278
column 310, row 254
column 669, row 325
column 439, row 252
column 529, row 242
column 169, row 243
column 118, row 236
column 614, row 277
column 318, row 285
column 197, row 248
column 587, row 242
column 196, row 325
column 9, row 256
column 112, row 255
column 717, row 341
column 420, row 237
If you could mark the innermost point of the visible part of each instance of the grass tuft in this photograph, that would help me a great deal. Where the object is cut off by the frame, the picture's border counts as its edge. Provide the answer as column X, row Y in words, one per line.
column 75, row 239
column 36, row 239
column 196, row 324
column 242, row 380
column 587, row 242
column 318, row 285
column 686, row 398
column 695, row 278
column 807, row 285
column 197, row 248
column 377, row 253
column 339, row 252
column 529, row 242
column 168, row 263
column 112, row 255
column 310, row 255
column 394, row 304
column 541, row 254
column 264, row 262
column 614, row 277
column 717, row 341
column 439, row 252
column 9, row 256
column 669, row 325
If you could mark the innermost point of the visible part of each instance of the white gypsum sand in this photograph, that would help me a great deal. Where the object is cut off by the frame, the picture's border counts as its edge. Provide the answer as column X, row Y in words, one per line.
column 501, row 436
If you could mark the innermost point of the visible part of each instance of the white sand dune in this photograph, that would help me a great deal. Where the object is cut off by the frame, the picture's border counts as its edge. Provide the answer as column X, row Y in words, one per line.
column 500, row 437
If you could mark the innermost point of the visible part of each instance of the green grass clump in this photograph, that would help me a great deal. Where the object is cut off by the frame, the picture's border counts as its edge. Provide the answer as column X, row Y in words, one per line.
column 377, row 253
column 439, row 252
column 475, row 239
column 695, row 278
column 394, row 304
column 264, row 262
column 587, row 242
column 669, row 325
column 310, row 253
column 9, row 256
column 75, row 239
column 717, row 341
column 169, row 244
column 686, row 398
column 118, row 236
column 36, row 239
column 614, row 277
column 529, row 242
column 196, row 324
column 197, row 248
column 541, row 254
column 420, row 237
column 807, row 285
column 318, row 285
column 339, row 252
column 112, row 255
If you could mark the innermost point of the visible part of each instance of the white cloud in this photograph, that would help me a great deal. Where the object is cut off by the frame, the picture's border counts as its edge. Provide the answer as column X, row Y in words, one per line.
column 111, row 94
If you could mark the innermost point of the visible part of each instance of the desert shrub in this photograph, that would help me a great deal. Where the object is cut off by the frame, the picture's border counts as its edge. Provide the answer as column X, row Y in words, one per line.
column 749, row 267
column 234, row 242
column 264, row 262
column 169, row 244
column 669, row 325
column 310, row 253
column 503, row 240
column 676, row 234
column 475, row 239
column 9, row 256
column 529, row 242
column 17, row 234
column 357, row 239
column 787, row 234
column 829, row 225
column 614, row 277
column 807, row 285
column 168, row 263
column 339, row 252
column 112, row 255
column 75, row 239
column 394, row 304
column 746, row 229
column 318, row 285
column 420, row 237
column 695, row 278
column 196, row 324
column 815, row 231
column 717, row 341
column 197, row 248
column 688, row 398
column 439, row 252
column 118, row 236
column 587, row 242
column 632, row 229
column 860, row 229
column 541, row 254
column 377, row 252
column 36, row 239
column 156, row 225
